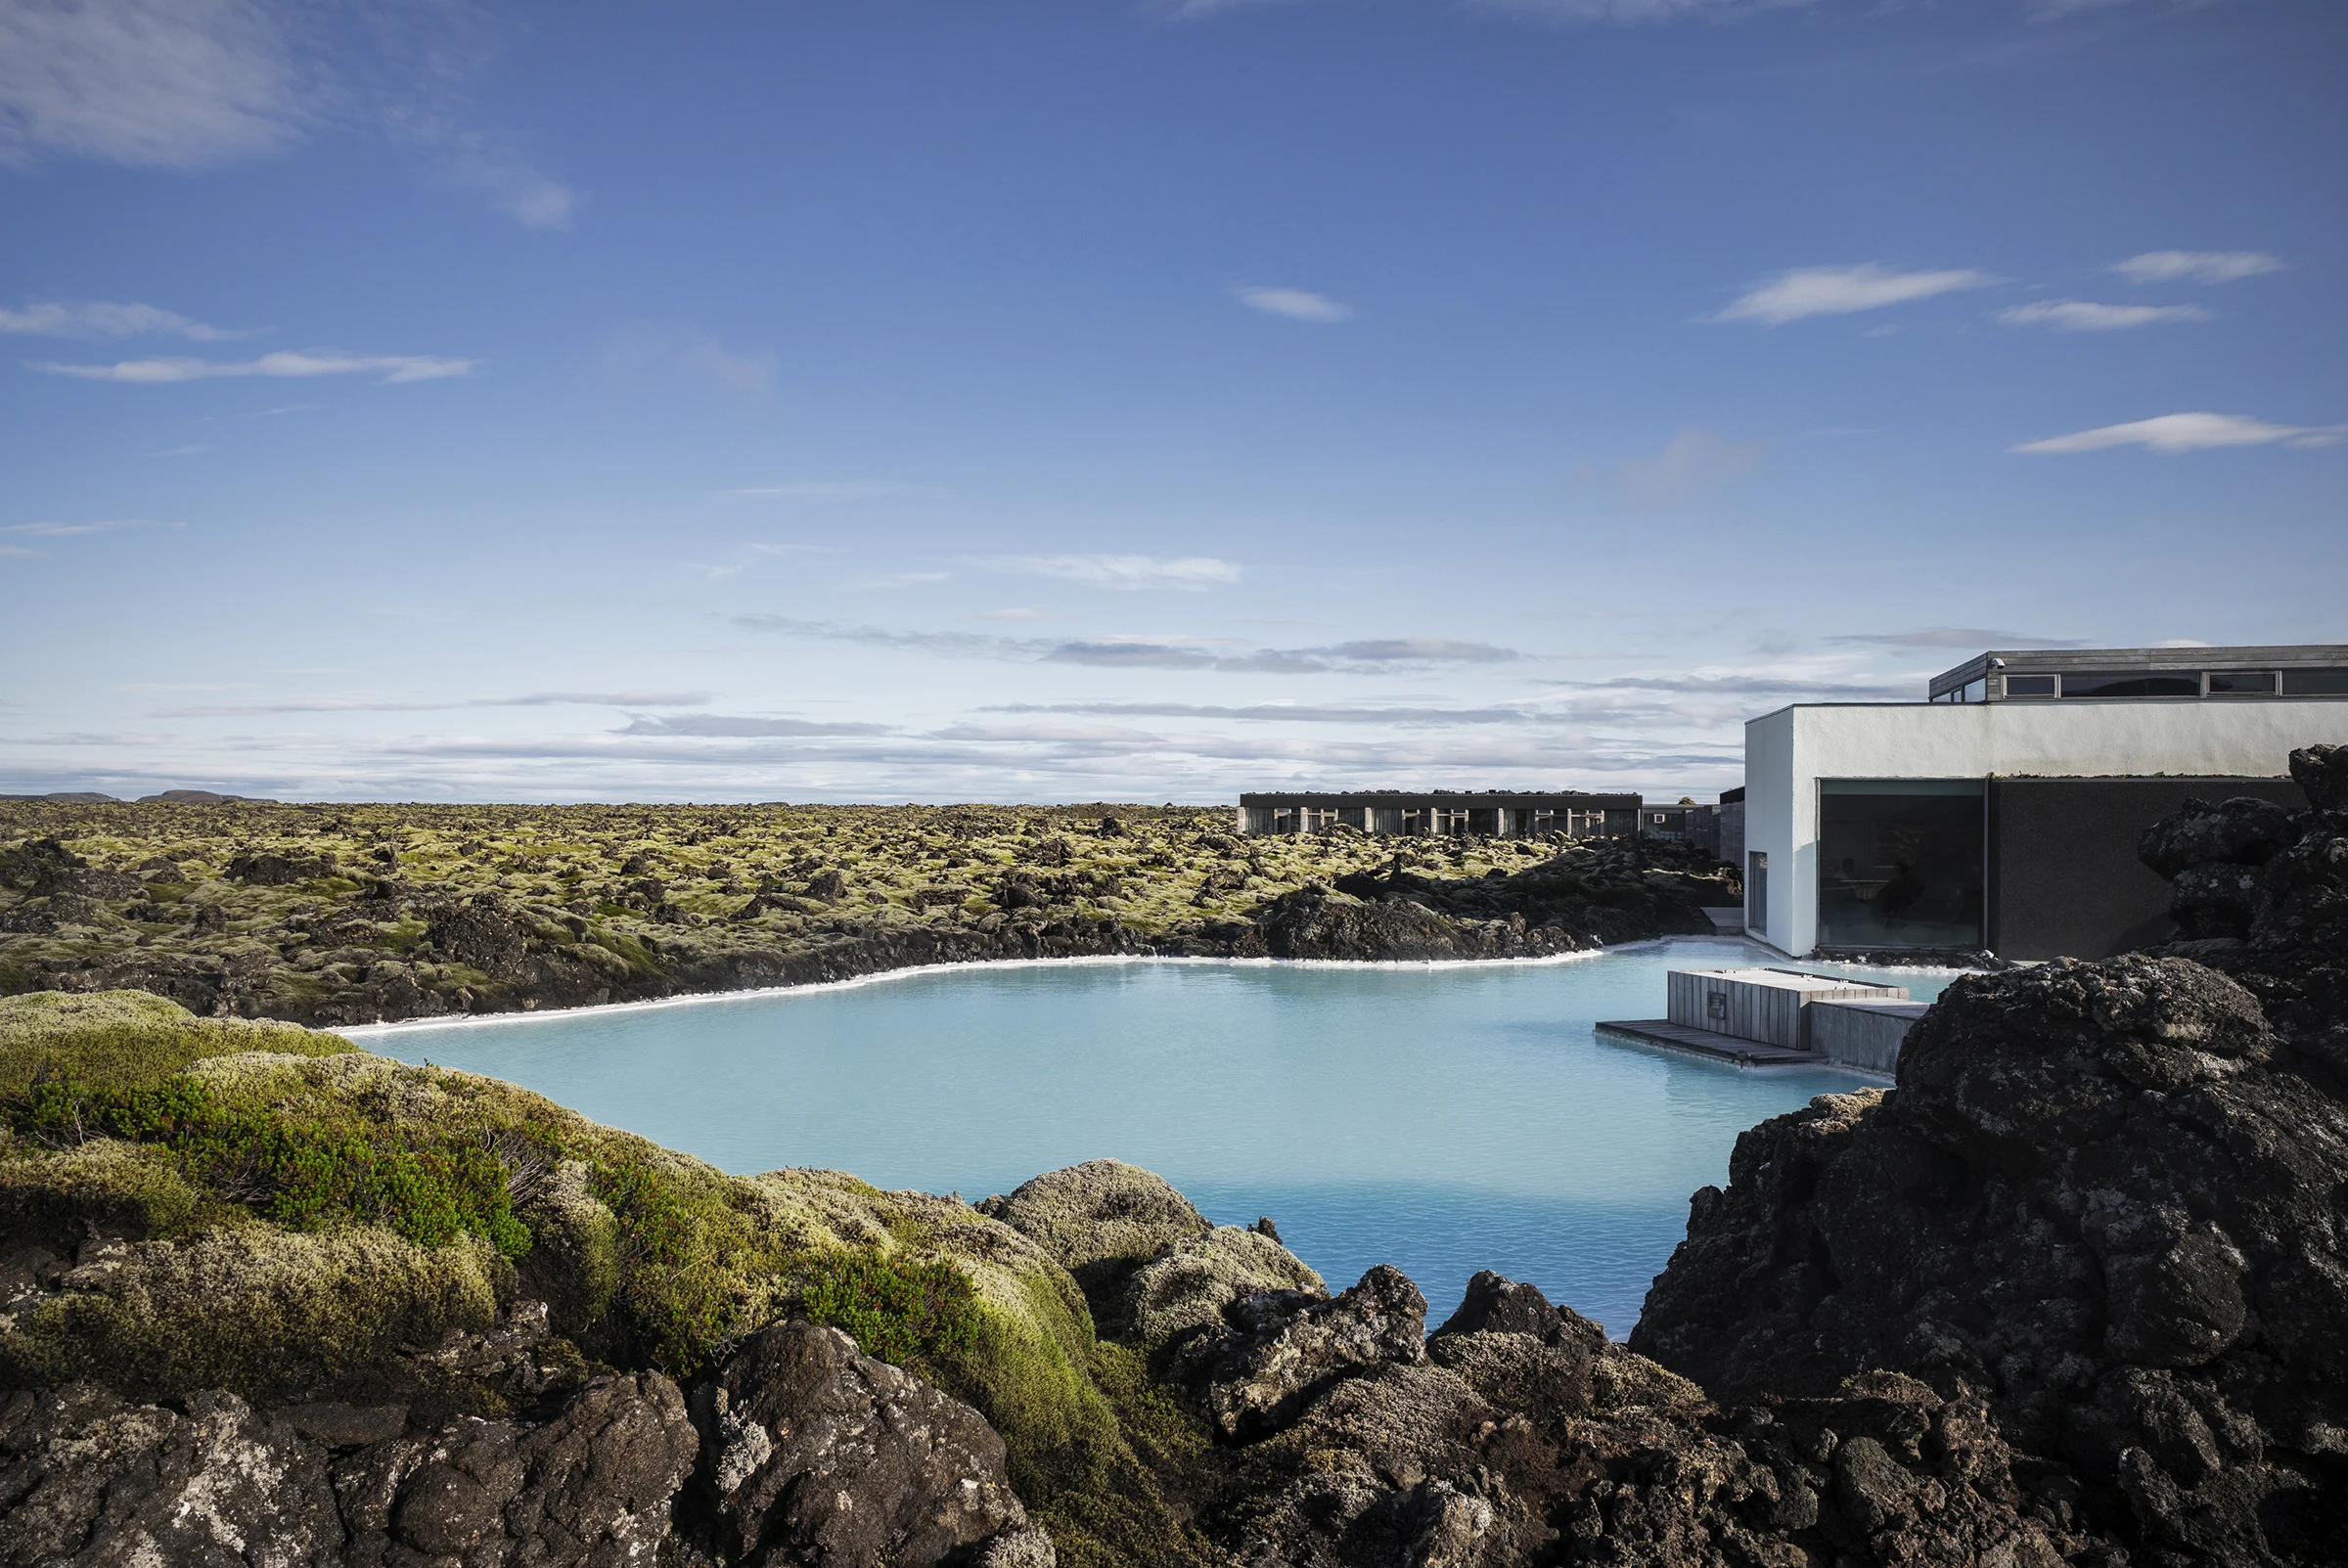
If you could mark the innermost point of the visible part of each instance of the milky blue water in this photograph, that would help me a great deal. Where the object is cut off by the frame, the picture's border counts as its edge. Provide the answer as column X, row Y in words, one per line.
column 1440, row 1118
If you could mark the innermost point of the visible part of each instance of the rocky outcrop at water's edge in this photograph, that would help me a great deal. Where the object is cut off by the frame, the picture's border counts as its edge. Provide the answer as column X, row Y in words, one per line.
column 2106, row 1199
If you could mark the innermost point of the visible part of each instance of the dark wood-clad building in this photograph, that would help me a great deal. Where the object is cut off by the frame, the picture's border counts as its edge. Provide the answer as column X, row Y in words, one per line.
column 1442, row 813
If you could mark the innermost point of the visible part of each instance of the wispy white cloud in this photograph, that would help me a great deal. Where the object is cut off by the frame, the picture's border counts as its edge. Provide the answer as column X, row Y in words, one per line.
column 1806, row 291
column 176, row 84
column 101, row 318
column 2189, row 433
column 362, row 704
column 2084, row 316
column 1194, row 573
column 190, row 84
column 1288, row 712
column 1741, row 683
column 2197, row 266
column 1195, row 9
column 1975, row 637
column 719, row 571
column 1363, row 656
column 492, row 163
column 905, row 579
column 1012, row 614
column 1416, row 651
column 285, row 363
column 1695, row 463
column 179, row 451
column 1297, row 304
column 2051, row 9
column 1632, row 12
column 657, row 354
column 71, row 530
column 740, row 725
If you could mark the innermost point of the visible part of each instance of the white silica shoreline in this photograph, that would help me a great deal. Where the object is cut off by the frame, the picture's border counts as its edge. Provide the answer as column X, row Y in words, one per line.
column 918, row 970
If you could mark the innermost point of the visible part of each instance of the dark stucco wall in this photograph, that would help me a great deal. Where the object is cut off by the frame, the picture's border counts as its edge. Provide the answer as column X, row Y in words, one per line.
column 2064, row 880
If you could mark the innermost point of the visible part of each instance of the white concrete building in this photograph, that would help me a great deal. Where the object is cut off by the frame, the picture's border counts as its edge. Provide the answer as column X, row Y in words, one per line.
column 2007, row 821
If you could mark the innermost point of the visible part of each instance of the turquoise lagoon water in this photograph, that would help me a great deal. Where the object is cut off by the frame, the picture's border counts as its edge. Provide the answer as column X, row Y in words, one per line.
column 1443, row 1118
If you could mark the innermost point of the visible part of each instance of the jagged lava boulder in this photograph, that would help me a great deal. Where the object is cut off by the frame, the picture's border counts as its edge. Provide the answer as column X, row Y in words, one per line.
column 823, row 1454
column 2265, row 901
column 1517, row 1435
column 2094, row 1197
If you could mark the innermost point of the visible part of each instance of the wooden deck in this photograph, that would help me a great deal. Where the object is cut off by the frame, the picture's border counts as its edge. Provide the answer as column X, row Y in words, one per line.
column 1663, row 1035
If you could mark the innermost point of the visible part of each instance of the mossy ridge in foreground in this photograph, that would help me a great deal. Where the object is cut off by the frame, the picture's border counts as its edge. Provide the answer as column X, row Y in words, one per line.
column 124, row 1115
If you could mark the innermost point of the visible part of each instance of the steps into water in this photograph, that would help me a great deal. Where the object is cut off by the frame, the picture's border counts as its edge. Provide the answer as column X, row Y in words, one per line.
column 1665, row 1035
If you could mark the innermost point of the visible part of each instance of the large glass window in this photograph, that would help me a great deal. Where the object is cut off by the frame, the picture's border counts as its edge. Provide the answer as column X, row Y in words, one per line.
column 2315, row 682
column 2130, row 683
column 2241, row 683
column 2029, row 685
column 1900, row 863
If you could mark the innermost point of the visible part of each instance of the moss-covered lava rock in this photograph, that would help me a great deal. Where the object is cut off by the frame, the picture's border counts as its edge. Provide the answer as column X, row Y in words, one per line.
column 350, row 914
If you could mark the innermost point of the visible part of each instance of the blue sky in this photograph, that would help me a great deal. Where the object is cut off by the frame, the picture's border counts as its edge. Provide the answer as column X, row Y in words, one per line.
column 1134, row 401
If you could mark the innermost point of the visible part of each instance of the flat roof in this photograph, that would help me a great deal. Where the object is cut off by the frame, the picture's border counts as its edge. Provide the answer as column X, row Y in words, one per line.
column 2150, row 661
column 2066, row 702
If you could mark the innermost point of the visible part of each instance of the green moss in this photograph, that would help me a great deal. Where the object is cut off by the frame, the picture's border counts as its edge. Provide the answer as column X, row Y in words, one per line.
column 106, row 1185
column 683, row 1257
column 897, row 1311
column 252, row 1308
column 304, row 1172
column 127, row 1039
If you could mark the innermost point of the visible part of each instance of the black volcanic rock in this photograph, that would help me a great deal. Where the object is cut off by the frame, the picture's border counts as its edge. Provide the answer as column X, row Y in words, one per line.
column 819, row 1455
column 261, row 869
column 2280, row 929
column 1522, row 1437
column 2242, row 832
column 2095, row 1198
column 1281, row 1344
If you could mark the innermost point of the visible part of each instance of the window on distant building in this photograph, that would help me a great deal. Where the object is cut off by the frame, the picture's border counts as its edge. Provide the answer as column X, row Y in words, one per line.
column 2029, row 685
column 2241, row 683
column 2315, row 682
column 2130, row 683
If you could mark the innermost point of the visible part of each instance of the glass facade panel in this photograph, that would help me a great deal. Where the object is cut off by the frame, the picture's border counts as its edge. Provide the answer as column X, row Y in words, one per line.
column 2130, row 683
column 2241, row 683
column 2029, row 685
column 1900, row 863
column 2315, row 682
